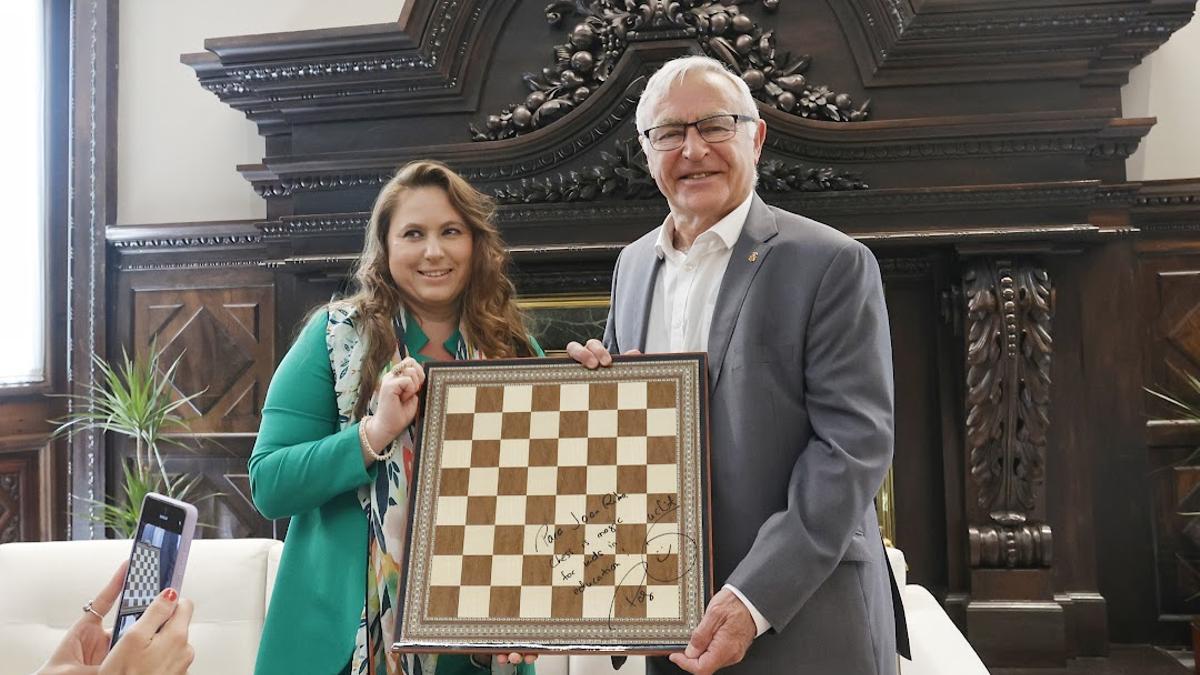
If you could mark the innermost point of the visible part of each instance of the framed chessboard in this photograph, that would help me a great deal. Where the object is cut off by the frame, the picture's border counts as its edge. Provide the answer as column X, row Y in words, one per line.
column 559, row 509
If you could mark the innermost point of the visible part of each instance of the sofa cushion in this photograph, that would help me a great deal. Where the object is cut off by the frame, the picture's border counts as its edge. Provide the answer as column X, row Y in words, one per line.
column 44, row 585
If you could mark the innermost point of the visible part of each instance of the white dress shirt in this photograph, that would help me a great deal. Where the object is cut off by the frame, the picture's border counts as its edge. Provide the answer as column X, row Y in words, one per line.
column 685, row 294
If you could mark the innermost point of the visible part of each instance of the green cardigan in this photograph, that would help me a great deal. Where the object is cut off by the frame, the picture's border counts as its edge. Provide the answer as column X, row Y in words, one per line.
column 304, row 468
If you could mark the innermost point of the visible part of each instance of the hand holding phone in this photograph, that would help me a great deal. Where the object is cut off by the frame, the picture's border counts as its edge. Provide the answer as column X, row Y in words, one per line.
column 165, row 652
column 157, row 643
column 158, row 559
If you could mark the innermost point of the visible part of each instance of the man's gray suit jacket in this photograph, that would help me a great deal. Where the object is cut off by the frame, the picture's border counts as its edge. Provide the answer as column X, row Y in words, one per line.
column 800, row 377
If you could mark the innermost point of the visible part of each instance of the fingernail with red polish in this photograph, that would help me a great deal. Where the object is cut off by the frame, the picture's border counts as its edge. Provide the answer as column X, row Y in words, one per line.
column 170, row 595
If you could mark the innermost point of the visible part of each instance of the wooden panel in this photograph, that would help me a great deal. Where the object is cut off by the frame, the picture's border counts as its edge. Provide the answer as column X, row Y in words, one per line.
column 1174, row 331
column 1175, row 484
column 912, row 292
column 219, row 320
column 222, row 491
column 1171, row 298
column 224, row 339
column 23, row 462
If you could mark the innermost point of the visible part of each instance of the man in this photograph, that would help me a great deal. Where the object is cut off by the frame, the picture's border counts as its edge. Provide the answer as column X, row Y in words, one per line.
column 791, row 313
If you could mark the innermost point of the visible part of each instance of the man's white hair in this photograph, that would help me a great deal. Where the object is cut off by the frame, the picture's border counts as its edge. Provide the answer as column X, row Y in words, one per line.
column 674, row 72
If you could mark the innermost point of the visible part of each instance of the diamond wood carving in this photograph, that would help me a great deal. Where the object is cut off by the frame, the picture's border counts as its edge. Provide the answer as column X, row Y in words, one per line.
column 225, row 344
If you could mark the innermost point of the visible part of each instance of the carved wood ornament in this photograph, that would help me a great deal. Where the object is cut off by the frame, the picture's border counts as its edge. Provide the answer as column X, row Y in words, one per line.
column 1010, row 307
column 626, row 174
column 593, row 47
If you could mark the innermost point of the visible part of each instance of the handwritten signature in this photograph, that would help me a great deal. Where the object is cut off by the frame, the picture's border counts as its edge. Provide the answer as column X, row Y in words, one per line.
column 633, row 594
column 663, row 506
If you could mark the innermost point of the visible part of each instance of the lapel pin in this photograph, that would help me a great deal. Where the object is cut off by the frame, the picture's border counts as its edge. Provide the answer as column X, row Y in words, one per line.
column 753, row 257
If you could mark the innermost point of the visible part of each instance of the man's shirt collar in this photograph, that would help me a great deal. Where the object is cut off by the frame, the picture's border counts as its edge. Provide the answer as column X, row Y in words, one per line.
column 724, row 232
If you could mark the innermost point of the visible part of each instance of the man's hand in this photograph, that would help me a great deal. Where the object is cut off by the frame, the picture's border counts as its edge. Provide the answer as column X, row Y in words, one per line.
column 593, row 354
column 721, row 639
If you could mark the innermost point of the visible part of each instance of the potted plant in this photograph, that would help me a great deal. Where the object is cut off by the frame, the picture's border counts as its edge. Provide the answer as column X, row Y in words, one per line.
column 138, row 400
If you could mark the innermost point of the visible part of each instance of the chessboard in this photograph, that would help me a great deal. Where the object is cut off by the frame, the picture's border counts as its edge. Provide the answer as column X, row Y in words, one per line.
column 559, row 507
column 141, row 581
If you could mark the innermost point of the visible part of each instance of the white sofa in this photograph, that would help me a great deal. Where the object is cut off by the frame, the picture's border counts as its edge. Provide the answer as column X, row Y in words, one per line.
column 43, row 586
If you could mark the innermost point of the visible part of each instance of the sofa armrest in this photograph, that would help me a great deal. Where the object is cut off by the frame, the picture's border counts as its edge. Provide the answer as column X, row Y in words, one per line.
column 899, row 565
column 938, row 648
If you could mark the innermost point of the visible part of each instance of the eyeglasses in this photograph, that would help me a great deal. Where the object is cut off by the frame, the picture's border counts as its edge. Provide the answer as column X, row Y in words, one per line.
column 715, row 129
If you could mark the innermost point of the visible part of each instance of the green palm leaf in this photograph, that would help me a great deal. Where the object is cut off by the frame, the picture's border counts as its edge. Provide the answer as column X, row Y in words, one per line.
column 137, row 399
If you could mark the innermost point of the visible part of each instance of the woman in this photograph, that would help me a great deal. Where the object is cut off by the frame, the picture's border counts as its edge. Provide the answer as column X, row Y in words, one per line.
column 335, row 448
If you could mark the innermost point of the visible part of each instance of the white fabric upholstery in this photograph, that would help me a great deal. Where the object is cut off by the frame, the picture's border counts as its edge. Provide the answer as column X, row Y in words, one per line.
column 938, row 648
column 899, row 565
column 602, row 665
column 43, row 586
column 937, row 645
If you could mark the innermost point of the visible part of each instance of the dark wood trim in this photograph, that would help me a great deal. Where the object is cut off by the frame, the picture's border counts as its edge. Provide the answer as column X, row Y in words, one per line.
column 1095, row 43
column 93, row 181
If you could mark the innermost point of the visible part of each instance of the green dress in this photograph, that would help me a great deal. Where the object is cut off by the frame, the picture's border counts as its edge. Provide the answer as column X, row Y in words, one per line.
column 304, row 468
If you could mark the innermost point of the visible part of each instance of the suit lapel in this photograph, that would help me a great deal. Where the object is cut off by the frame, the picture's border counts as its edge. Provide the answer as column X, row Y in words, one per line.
column 749, row 253
column 641, row 296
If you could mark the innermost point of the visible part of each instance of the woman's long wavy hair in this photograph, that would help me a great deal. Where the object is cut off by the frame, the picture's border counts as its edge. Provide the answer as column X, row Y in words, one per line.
column 488, row 314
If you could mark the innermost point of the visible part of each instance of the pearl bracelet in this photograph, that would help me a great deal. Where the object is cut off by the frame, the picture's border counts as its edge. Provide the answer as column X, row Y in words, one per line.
column 366, row 444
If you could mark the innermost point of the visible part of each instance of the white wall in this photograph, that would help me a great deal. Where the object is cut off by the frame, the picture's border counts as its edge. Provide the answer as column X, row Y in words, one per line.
column 1167, row 85
column 177, row 143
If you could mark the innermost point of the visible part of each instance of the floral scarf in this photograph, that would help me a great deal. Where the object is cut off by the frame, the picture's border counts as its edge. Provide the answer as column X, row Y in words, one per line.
column 385, row 503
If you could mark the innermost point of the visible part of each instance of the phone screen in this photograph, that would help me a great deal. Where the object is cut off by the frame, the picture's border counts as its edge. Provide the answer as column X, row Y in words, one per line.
column 152, row 564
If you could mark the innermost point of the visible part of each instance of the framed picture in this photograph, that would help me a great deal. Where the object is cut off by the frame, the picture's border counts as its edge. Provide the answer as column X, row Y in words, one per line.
column 556, row 320
column 559, row 509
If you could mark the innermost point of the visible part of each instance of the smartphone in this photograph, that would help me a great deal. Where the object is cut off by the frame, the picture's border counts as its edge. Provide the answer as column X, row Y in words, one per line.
column 159, row 556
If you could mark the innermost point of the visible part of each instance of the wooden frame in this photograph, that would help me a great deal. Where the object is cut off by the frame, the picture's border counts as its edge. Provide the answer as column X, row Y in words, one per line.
column 559, row 509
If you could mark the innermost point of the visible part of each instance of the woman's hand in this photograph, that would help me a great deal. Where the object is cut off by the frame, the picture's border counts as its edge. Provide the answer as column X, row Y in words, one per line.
column 157, row 643
column 143, row 649
column 86, row 642
column 515, row 658
column 397, row 404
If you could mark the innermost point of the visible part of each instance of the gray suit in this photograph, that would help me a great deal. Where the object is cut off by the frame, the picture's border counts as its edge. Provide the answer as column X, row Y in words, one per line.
column 800, row 374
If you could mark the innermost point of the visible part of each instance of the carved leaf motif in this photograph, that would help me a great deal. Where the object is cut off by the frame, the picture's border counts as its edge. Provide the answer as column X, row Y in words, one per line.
column 1034, row 295
column 625, row 173
column 984, row 381
column 1009, row 350
column 722, row 49
column 558, row 9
